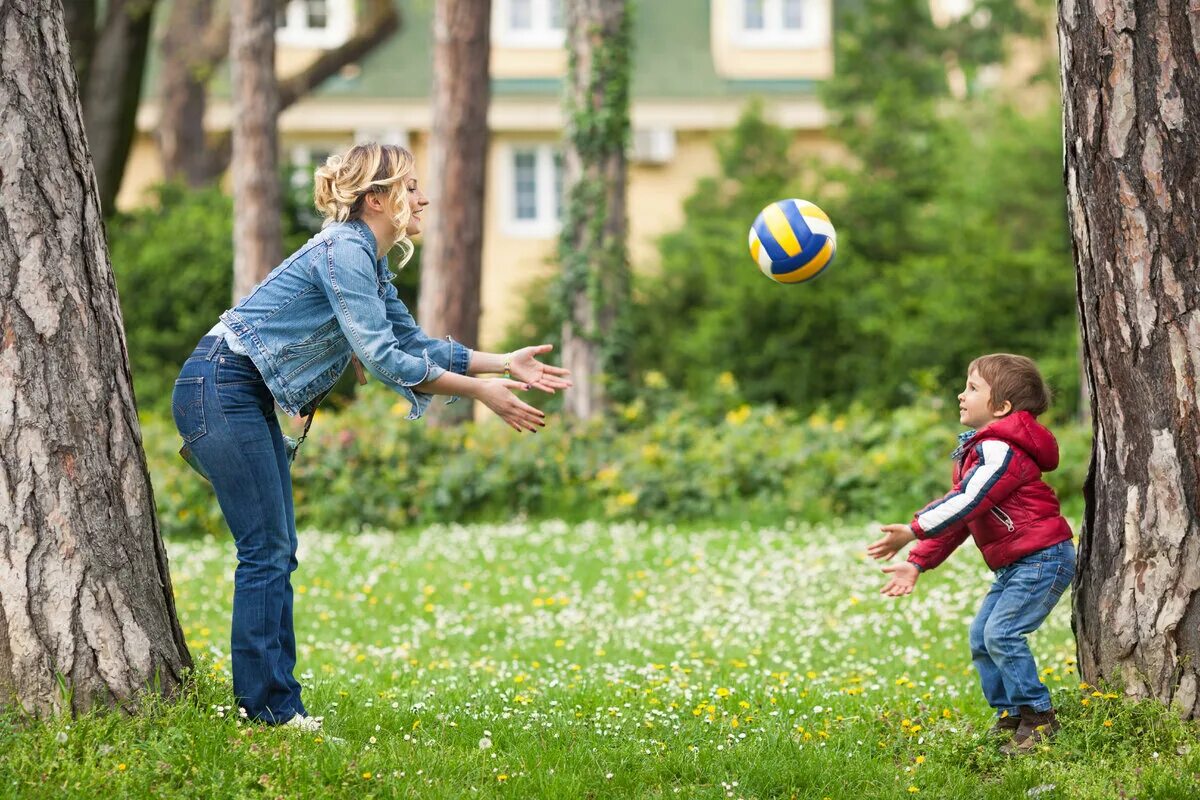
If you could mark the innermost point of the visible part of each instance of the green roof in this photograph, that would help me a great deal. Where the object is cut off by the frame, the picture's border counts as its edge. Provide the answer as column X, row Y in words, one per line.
column 672, row 60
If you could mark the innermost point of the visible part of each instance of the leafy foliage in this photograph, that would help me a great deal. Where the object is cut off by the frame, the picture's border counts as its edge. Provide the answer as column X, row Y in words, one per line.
column 173, row 263
column 664, row 456
column 952, row 235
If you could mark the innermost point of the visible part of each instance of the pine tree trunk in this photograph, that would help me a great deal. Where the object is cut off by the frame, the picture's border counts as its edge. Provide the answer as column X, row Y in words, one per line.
column 1131, row 89
column 257, row 227
column 85, row 595
column 592, row 247
column 452, row 256
column 112, row 92
column 194, row 44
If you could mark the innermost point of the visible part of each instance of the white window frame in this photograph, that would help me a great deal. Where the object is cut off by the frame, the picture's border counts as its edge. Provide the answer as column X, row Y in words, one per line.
column 300, row 159
column 814, row 30
column 540, row 35
column 338, row 28
column 546, row 224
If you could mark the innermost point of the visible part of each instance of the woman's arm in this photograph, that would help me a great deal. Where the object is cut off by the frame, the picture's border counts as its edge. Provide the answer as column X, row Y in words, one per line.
column 496, row 394
column 482, row 363
column 522, row 365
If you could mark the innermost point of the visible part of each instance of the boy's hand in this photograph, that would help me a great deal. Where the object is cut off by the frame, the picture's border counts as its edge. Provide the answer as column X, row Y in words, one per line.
column 904, row 578
column 895, row 537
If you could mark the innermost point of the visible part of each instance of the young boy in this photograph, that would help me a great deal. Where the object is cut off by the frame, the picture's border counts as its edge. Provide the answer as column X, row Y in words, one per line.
column 1000, row 499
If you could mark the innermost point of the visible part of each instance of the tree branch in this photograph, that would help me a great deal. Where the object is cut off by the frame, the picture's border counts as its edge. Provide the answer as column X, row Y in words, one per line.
column 375, row 26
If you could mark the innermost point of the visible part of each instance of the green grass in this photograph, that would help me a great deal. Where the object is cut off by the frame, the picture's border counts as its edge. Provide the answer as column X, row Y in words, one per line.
column 599, row 661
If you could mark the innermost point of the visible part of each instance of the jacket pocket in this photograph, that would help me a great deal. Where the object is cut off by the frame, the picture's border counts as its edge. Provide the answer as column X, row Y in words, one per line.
column 187, row 407
column 1004, row 519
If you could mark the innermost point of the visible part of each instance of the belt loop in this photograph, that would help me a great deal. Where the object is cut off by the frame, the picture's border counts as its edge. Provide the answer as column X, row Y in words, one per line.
column 212, row 352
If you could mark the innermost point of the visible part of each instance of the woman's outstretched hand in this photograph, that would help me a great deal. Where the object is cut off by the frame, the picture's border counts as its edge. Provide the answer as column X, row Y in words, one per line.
column 524, row 366
column 497, row 395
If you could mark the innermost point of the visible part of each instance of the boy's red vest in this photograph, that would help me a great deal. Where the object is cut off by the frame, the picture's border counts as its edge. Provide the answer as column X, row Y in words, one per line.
column 999, row 497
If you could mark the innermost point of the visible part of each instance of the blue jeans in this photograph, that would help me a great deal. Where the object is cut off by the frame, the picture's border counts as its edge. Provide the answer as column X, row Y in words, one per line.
column 225, row 413
column 1019, row 601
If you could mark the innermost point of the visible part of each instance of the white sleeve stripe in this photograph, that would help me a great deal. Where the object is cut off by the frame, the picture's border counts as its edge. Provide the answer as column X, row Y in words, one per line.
column 994, row 458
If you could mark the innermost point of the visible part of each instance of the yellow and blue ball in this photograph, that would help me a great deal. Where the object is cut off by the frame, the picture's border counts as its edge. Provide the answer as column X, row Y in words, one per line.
column 792, row 241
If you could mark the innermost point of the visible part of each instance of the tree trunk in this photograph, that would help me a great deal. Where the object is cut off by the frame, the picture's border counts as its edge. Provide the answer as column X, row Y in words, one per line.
column 257, row 227
column 80, row 16
column 195, row 42
column 85, row 595
column 1131, row 89
column 592, row 247
column 452, row 256
column 195, row 46
column 112, row 92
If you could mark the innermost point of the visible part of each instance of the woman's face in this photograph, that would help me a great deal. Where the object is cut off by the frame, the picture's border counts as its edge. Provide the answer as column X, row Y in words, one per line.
column 416, row 203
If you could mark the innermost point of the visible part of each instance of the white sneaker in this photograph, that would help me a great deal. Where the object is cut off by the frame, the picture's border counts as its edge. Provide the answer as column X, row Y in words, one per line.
column 303, row 723
column 311, row 725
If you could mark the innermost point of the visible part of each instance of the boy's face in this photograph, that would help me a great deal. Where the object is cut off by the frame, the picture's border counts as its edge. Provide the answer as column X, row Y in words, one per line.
column 975, row 403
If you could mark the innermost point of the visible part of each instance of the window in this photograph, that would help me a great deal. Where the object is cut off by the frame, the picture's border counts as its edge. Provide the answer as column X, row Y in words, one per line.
column 528, row 23
column 752, row 15
column 534, row 191
column 315, row 23
column 303, row 160
column 775, row 23
column 793, row 15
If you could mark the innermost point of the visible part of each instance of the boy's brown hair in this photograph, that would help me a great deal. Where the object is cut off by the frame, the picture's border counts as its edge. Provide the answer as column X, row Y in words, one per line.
column 1014, row 379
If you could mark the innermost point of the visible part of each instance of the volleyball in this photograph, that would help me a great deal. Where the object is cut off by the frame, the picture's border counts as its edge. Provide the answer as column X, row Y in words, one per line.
column 792, row 241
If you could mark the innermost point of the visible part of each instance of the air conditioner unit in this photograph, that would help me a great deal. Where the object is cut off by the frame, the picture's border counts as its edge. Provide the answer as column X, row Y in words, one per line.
column 652, row 145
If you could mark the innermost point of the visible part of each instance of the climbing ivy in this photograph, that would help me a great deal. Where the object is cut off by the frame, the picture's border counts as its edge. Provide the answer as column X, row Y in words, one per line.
column 594, row 284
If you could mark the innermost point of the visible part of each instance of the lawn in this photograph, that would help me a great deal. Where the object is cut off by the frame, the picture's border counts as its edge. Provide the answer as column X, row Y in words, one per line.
column 598, row 661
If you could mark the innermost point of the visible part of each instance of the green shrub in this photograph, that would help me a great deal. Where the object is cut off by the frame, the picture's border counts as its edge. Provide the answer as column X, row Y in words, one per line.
column 173, row 264
column 662, row 457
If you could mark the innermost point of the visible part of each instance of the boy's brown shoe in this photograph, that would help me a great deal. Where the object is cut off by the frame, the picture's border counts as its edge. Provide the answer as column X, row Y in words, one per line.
column 1037, row 727
column 1004, row 727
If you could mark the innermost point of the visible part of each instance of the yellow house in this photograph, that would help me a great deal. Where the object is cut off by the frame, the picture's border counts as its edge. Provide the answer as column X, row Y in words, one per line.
column 696, row 65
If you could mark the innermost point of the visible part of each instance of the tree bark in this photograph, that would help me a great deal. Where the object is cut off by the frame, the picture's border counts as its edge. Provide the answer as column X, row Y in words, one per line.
column 87, row 615
column 592, row 247
column 1131, row 91
column 257, row 227
column 452, row 256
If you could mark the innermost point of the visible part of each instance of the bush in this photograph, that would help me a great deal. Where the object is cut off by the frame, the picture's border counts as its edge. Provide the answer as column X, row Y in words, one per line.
column 662, row 457
column 173, row 265
column 984, row 265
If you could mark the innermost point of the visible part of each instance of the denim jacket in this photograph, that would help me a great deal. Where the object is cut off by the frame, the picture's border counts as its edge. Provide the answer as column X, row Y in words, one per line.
column 326, row 301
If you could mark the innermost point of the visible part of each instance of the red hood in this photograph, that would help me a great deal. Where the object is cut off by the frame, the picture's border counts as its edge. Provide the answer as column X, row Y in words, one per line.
column 1023, row 431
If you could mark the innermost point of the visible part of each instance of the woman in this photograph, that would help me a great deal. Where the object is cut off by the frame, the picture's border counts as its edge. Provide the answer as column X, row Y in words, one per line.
column 287, row 343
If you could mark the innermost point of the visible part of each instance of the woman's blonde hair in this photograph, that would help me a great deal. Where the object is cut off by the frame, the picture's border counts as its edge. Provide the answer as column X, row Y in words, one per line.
column 341, row 184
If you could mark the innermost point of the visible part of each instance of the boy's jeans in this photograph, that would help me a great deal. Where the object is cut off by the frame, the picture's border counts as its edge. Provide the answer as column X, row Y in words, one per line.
column 225, row 413
column 1019, row 601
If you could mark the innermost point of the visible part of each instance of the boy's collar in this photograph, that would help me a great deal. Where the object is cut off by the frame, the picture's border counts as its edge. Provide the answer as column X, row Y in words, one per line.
column 963, row 438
